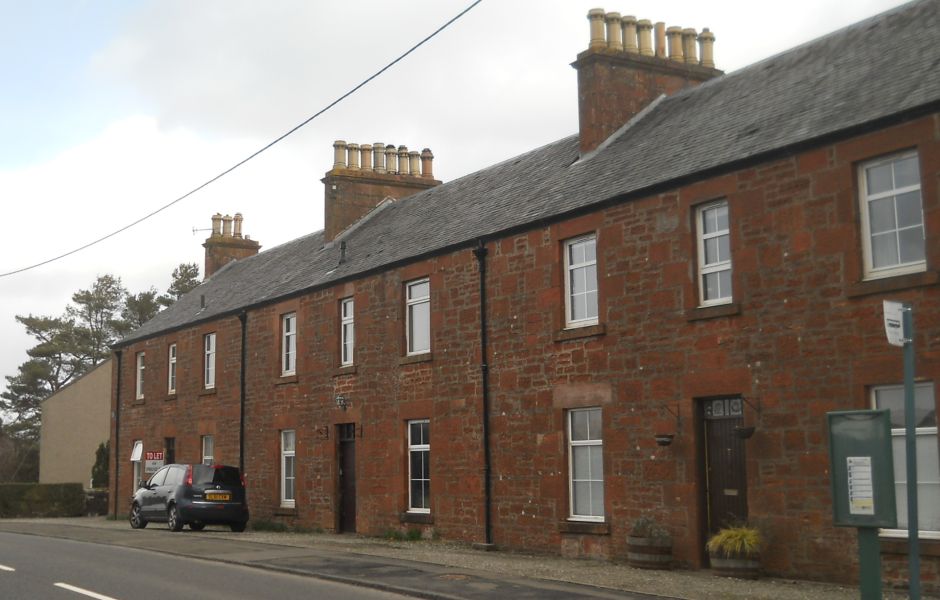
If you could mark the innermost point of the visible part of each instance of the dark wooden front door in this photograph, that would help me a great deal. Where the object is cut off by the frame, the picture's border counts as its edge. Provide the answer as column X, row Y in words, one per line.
column 725, row 474
column 346, row 434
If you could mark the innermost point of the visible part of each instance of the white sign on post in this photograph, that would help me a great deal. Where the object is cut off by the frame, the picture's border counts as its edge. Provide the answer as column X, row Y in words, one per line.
column 894, row 320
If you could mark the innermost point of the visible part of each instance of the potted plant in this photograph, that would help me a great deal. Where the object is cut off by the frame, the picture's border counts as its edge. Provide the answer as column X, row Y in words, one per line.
column 649, row 545
column 735, row 552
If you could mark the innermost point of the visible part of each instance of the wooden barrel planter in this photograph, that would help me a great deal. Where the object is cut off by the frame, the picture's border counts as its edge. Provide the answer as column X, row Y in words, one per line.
column 649, row 553
column 742, row 568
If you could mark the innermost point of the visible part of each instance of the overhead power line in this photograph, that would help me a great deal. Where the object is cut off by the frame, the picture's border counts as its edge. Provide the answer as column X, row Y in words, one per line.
column 253, row 154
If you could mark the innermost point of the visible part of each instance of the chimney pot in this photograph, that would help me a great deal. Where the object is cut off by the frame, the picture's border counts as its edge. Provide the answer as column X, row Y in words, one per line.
column 675, row 43
column 660, row 35
column 366, row 151
column 217, row 224
column 688, row 45
column 706, row 40
column 227, row 226
column 596, row 17
column 628, row 24
column 614, row 33
column 353, row 152
column 426, row 159
column 339, row 154
column 403, row 164
column 644, row 30
column 238, row 225
column 391, row 159
column 414, row 158
column 378, row 150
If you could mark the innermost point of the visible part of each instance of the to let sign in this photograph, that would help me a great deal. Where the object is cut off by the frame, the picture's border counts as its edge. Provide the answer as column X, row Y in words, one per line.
column 153, row 461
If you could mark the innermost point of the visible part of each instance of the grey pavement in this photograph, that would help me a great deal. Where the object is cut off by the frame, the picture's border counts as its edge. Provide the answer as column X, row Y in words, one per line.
column 431, row 569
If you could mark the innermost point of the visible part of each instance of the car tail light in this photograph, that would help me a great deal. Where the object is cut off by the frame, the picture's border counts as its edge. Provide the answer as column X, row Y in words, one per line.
column 189, row 475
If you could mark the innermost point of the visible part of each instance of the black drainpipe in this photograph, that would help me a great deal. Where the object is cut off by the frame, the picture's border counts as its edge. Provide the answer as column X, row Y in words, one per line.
column 117, row 436
column 480, row 253
column 243, row 317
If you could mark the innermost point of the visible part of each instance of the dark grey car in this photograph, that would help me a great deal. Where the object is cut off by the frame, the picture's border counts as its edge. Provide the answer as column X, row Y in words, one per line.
column 194, row 495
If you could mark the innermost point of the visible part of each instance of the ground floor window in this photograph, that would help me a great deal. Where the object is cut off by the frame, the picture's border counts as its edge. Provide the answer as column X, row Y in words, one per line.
column 137, row 455
column 419, row 466
column 208, row 450
column 928, row 462
column 169, row 450
column 288, row 477
column 585, row 464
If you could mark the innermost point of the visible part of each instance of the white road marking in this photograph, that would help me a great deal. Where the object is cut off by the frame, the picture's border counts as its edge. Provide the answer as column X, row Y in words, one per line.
column 6, row 568
column 79, row 590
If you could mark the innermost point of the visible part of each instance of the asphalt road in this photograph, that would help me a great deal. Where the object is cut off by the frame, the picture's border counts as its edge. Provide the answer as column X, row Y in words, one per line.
column 39, row 568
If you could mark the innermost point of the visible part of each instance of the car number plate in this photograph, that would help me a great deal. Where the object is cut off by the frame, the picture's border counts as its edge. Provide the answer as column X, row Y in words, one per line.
column 217, row 496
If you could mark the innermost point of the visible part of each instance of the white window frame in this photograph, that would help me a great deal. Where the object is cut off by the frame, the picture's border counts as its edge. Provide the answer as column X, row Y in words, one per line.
column 137, row 455
column 208, row 363
column 289, row 344
column 208, row 449
column 411, row 302
column 573, row 444
column 288, row 456
column 901, row 476
column 425, row 448
column 171, row 369
column 139, row 381
column 575, row 269
column 871, row 272
column 718, row 266
column 347, row 325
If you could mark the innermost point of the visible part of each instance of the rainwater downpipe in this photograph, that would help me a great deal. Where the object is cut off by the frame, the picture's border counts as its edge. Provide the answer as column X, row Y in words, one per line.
column 243, row 318
column 480, row 253
column 117, row 436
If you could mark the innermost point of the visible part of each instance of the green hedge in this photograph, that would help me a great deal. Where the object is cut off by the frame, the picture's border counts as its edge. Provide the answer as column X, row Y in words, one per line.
column 41, row 500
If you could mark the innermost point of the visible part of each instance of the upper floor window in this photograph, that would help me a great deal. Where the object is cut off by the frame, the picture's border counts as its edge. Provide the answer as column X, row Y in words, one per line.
column 419, row 466
column 713, row 235
column 171, row 370
column 140, row 376
column 892, row 216
column 581, row 281
column 348, row 331
column 586, row 464
column 928, row 462
column 209, row 361
column 418, row 316
column 289, row 344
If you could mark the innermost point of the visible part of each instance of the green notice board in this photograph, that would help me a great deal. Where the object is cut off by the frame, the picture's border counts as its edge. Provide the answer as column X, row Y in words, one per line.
column 862, row 468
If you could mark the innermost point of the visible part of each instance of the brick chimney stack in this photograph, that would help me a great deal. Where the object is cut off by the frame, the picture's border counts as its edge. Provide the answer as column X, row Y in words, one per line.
column 226, row 243
column 364, row 175
column 621, row 72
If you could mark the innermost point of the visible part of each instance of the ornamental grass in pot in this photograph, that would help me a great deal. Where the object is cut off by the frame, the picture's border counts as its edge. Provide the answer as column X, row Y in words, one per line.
column 735, row 552
column 649, row 545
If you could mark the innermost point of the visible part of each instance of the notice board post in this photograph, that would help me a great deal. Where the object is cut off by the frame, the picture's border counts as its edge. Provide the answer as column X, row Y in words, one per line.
column 862, row 470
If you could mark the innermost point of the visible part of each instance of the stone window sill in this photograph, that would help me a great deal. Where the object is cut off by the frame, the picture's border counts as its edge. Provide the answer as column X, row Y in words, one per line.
column 898, row 545
column 713, row 312
column 347, row 370
column 285, row 511
column 416, row 358
column 576, row 333
column 421, row 518
column 286, row 379
column 892, row 284
column 585, row 527
column 207, row 392
column 171, row 396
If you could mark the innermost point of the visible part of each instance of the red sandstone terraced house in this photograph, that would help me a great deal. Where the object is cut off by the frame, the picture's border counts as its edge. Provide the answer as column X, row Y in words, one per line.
column 490, row 359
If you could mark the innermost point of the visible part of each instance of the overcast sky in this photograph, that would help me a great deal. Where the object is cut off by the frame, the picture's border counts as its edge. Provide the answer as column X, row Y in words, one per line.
column 112, row 108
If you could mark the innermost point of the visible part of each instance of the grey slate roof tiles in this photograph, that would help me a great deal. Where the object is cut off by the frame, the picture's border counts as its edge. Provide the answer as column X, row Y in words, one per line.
column 872, row 70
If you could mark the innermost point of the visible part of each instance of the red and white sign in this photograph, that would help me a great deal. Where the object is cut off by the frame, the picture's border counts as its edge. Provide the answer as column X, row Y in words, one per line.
column 153, row 461
column 156, row 455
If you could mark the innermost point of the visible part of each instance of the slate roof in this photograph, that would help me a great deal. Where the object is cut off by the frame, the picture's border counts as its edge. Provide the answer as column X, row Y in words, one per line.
column 874, row 70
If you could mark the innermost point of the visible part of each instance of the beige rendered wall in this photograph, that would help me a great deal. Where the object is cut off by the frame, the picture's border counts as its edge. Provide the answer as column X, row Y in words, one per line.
column 75, row 420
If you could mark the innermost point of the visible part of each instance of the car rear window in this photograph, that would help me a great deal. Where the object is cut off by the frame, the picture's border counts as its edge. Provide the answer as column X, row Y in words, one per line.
column 204, row 474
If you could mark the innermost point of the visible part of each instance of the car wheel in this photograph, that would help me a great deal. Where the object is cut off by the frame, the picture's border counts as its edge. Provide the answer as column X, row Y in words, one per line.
column 237, row 527
column 173, row 520
column 137, row 520
column 197, row 526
